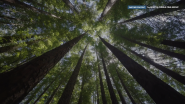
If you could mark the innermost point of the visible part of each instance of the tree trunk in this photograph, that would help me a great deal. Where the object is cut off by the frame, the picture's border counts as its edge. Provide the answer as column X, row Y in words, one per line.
column 128, row 93
column 162, row 68
column 98, row 101
column 43, row 92
column 68, row 3
column 159, row 91
column 111, row 90
column 119, row 91
column 174, row 43
column 16, row 84
column 24, row 5
column 80, row 99
column 35, row 91
column 104, row 101
column 66, row 95
column 172, row 54
column 180, row 5
column 52, row 95
column 109, row 5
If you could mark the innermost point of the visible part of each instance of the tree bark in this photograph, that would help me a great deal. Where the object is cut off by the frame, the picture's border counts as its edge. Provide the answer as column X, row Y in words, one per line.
column 104, row 101
column 16, row 84
column 66, row 95
column 128, row 93
column 119, row 91
column 159, row 91
column 174, row 43
column 80, row 99
column 162, row 68
column 24, row 5
column 35, row 91
column 180, row 5
column 109, row 5
column 111, row 90
column 43, row 92
column 172, row 54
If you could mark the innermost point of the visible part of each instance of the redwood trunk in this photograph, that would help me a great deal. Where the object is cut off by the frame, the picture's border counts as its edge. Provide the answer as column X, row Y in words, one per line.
column 128, row 93
column 172, row 54
column 43, row 92
column 159, row 91
column 66, row 95
column 52, row 95
column 180, row 5
column 80, row 99
column 119, row 92
column 16, row 84
column 162, row 68
column 111, row 90
column 104, row 101
column 174, row 43
column 109, row 5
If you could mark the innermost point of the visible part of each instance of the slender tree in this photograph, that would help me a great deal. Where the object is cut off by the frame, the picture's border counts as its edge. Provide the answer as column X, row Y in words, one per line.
column 16, row 84
column 52, row 95
column 102, row 87
column 128, row 93
column 159, row 91
column 180, row 5
column 82, row 86
column 177, row 55
column 111, row 90
column 43, row 92
column 174, row 43
column 119, row 90
column 66, row 95
column 109, row 5
column 160, row 67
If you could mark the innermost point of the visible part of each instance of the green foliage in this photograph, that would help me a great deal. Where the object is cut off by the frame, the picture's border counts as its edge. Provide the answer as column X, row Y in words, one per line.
column 47, row 32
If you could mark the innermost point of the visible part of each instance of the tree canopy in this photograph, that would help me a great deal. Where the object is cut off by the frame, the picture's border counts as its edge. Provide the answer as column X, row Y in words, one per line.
column 98, row 50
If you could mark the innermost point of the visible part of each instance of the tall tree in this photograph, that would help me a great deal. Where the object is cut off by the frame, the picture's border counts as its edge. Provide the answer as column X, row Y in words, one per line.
column 177, row 55
column 119, row 90
column 111, row 90
column 82, row 87
column 104, row 101
column 109, row 5
column 17, row 83
column 160, row 67
column 66, row 95
column 43, row 92
column 159, row 91
column 174, row 43
column 127, row 91
column 52, row 95
column 180, row 5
